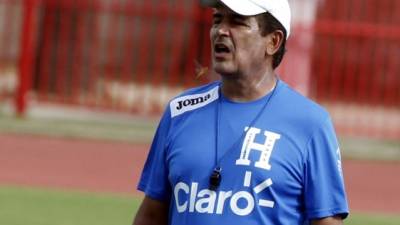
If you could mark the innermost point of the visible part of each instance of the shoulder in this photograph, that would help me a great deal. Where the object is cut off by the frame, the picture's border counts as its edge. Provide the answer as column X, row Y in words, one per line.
column 299, row 112
column 193, row 99
column 300, row 104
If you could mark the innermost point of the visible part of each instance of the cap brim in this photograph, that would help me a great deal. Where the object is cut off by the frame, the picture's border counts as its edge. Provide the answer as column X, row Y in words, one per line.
column 236, row 6
column 252, row 8
column 249, row 9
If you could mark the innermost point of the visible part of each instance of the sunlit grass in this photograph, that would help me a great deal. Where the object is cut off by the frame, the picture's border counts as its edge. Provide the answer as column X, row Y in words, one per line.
column 21, row 206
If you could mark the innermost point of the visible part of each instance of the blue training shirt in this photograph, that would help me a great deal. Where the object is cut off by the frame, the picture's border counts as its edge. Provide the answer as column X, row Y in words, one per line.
column 283, row 169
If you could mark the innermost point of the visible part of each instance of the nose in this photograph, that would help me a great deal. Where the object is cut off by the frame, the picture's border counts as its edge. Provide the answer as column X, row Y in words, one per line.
column 222, row 29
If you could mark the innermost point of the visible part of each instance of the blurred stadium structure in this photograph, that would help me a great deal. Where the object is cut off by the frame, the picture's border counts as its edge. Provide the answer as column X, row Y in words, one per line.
column 134, row 55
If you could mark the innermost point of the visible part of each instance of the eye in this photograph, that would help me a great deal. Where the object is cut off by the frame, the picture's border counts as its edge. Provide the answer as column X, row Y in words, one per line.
column 217, row 18
column 239, row 21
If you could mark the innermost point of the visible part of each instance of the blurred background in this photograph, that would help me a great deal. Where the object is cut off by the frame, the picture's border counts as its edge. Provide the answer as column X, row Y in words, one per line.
column 83, row 83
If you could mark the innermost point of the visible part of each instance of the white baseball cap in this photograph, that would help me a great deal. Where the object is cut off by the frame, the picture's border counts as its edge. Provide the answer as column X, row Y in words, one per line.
column 278, row 8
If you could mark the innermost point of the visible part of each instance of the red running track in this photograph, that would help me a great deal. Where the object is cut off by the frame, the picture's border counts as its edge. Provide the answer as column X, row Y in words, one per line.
column 103, row 166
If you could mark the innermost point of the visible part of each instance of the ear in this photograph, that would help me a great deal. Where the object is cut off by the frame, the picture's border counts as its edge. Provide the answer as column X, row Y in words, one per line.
column 274, row 41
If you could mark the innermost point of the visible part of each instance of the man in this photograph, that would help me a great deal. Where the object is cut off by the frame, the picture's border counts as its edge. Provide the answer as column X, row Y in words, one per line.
column 247, row 149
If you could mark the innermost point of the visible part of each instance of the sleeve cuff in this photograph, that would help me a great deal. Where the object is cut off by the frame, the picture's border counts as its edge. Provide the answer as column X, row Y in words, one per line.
column 152, row 194
column 318, row 214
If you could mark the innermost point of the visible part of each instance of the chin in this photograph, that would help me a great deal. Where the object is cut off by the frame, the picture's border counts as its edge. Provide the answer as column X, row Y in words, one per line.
column 223, row 70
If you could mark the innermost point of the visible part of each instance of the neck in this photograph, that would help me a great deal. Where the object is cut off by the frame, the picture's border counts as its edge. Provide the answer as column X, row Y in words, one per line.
column 248, row 88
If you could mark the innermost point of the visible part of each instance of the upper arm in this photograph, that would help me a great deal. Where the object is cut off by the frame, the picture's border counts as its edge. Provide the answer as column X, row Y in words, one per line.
column 152, row 212
column 335, row 220
column 324, row 191
column 154, row 179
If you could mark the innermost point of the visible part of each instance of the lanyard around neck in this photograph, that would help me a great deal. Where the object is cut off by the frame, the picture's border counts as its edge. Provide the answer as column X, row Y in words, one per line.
column 215, row 178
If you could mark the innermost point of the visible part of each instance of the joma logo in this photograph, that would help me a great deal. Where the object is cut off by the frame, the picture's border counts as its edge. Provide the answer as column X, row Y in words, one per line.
column 187, row 103
column 193, row 101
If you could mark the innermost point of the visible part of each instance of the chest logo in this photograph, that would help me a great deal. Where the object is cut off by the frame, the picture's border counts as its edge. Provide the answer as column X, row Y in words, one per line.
column 265, row 149
column 187, row 103
column 242, row 202
column 192, row 101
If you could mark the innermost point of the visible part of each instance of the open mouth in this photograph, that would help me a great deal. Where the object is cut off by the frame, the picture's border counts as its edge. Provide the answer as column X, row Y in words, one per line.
column 221, row 48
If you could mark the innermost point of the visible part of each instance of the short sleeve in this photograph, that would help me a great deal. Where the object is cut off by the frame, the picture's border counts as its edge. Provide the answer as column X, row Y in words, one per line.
column 154, row 179
column 324, row 190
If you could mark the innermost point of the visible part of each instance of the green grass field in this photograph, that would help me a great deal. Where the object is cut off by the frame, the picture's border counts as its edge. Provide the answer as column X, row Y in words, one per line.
column 20, row 206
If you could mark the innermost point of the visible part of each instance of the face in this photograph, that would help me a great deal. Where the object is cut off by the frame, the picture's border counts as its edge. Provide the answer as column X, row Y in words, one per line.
column 237, row 44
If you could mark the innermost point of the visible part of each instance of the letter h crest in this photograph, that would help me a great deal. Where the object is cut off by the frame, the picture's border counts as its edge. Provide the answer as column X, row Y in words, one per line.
column 265, row 149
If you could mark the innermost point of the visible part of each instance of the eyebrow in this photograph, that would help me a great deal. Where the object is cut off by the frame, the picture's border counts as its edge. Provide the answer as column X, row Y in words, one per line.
column 238, row 16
